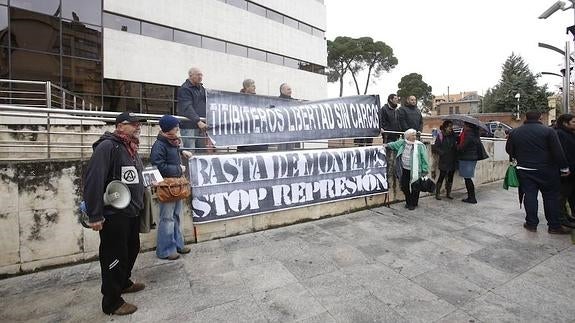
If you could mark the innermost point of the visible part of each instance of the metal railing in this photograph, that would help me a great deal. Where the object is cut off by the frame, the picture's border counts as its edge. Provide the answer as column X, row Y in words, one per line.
column 42, row 95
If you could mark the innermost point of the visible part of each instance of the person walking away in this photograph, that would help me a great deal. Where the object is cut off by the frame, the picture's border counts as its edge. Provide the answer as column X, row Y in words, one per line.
column 445, row 147
column 388, row 119
column 410, row 165
column 469, row 151
column 165, row 156
column 540, row 164
column 565, row 127
column 116, row 157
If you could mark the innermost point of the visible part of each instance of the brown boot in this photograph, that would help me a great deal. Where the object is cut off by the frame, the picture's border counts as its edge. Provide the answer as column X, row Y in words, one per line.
column 125, row 309
column 136, row 287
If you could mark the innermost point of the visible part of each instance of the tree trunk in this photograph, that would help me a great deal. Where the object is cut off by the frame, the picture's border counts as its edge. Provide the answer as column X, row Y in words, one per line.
column 368, row 75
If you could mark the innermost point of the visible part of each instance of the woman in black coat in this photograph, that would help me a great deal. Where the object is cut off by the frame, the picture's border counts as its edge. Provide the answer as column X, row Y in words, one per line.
column 469, row 151
column 445, row 147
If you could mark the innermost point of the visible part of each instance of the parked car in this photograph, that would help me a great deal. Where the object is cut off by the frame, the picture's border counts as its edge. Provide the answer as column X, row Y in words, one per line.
column 491, row 125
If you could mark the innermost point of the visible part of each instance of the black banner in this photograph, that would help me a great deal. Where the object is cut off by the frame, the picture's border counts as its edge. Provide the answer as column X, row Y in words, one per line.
column 227, row 186
column 241, row 119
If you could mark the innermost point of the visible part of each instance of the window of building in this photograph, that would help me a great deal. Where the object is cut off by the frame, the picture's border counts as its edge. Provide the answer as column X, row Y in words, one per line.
column 88, row 11
column 81, row 75
column 121, row 23
column 290, row 62
column 275, row 59
column 237, row 50
column 34, row 66
column 35, row 31
column 81, row 40
column 157, row 106
column 450, row 110
column 318, row 69
column 257, row 54
column 157, row 31
column 275, row 16
column 183, row 37
column 119, row 104
column 318, row 32
column 4, row 2
column 238, row 3
column 213, row 44
column 48, row 7
column 290, row 22
column 156, row 91
column 306, row 66
column 305, row 28
column 456, row 110
column 257, row 9
column 3, row 21
column 121, row 88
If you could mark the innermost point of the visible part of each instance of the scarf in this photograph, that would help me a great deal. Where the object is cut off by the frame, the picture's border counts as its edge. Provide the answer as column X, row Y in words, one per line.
column 174, row 140
column 129, row 141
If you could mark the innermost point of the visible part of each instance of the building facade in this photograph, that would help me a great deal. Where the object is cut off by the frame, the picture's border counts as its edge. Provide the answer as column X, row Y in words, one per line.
column 132, row 55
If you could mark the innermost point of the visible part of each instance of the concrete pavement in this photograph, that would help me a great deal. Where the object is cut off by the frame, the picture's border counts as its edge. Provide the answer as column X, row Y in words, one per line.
column 447, row 261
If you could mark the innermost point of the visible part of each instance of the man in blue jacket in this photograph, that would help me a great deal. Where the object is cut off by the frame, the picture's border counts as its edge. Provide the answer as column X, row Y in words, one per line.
column 192, row 105
column 540, row 163
column 116, row 157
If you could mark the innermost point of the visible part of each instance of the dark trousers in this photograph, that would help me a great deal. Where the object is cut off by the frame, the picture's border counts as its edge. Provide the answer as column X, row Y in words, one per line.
column 448, row 183
column 566, row 199
column 119, row 247
column 547, row 181
column 411, row 196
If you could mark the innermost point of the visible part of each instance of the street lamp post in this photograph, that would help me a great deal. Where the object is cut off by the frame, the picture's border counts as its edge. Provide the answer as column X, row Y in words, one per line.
column 518, row 114
column 562, row 5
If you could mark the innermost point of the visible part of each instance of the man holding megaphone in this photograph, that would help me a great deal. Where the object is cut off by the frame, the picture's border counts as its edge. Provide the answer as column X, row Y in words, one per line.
column 114, row 211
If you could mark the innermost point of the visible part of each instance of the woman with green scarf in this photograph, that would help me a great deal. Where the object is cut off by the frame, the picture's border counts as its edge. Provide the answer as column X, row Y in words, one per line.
column 411, row 163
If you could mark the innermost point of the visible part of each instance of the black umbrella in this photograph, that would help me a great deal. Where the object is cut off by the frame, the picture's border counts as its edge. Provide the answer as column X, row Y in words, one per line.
column 466, row 118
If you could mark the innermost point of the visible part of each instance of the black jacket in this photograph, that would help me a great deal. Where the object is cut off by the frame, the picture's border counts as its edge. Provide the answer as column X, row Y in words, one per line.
column 166, row 157
column 409, row 118
column 388, row 121
column 446, row 148
column 191, row 104
column 471, row 148
column 535, row 146
column 567, row 140
column 112, row 161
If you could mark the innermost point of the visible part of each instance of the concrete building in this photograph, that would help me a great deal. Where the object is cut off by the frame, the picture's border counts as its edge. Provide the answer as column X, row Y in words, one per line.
column 133, row 54
column 462, row 103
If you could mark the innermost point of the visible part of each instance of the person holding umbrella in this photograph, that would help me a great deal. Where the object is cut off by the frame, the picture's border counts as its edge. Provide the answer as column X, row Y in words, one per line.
column 469, row 151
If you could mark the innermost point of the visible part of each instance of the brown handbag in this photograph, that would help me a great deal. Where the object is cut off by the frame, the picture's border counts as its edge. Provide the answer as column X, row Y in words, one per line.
column 172, row 189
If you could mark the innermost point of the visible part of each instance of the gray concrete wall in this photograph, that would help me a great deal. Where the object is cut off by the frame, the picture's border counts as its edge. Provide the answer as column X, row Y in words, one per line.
column 39, row 217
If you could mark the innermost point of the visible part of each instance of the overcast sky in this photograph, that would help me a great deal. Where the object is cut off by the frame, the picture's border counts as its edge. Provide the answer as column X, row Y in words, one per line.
column 457, row 43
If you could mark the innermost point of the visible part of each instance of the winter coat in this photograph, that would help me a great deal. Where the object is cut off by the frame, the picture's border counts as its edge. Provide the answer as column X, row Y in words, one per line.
column 419, row 161
column 166, row 157
column 191, row 104
column 471, row 148
column 409, row 118
column 388, row 121
column 112, row 161
column 445, row 147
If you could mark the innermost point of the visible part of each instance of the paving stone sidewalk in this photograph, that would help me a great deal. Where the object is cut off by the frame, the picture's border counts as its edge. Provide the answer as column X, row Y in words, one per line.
column 447, row 261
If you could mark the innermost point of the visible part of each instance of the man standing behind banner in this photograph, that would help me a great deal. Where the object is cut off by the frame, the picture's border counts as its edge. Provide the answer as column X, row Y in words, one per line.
column 116, row 157
column 249, row 87
column 285, row 93
column 409, row 115
column 192, row 105
column 388, row 120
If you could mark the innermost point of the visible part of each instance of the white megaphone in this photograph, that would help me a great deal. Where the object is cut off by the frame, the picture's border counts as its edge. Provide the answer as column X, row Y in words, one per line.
column 117, row 195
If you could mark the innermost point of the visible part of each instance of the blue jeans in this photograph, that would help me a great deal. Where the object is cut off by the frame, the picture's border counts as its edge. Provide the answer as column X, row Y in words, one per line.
column 192, row 140
column 170, row 238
